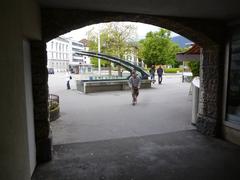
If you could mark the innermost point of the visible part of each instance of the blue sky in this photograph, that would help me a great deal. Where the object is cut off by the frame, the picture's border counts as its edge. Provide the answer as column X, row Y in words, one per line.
column 142, row 30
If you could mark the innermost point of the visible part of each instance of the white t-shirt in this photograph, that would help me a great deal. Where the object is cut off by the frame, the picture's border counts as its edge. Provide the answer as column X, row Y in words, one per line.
column 68, row 76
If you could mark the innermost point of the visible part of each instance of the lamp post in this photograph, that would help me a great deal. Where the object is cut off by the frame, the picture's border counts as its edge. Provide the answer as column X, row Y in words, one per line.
column 99, row 60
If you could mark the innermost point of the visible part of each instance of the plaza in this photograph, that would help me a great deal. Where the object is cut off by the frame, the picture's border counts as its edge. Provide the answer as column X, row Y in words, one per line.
column 110, row 115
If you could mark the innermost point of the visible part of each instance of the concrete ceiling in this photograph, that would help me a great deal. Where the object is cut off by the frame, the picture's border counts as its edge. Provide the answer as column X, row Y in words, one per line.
column 219, row 9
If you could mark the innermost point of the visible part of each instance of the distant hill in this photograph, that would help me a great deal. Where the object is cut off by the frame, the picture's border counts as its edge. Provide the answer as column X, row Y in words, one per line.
column 181, row 41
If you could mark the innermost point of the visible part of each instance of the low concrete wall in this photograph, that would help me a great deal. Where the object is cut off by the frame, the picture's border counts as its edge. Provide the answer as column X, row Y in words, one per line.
column 106, row 85
column 231, row 134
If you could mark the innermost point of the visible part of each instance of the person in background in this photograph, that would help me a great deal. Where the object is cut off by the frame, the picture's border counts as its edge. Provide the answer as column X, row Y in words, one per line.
column 160, row 73
column 68, row 78
column 134, row 83
column 152, row 73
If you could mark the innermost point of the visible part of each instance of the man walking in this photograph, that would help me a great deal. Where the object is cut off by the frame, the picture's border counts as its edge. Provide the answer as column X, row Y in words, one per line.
column 68, row 78
column 134, row 83
column 152, row 73
column 160, row 73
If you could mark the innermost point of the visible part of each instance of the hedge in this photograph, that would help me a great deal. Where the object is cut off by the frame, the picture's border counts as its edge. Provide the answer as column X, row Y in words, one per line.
column 173, row 70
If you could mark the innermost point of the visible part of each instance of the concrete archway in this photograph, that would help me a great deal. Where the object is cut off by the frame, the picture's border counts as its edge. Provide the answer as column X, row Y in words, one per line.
column 207, row 33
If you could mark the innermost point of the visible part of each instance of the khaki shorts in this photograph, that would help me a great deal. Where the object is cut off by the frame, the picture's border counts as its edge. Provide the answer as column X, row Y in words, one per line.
column 135, row 91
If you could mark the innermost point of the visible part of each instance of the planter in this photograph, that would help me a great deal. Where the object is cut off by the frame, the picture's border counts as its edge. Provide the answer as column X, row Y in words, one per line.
column 54, row 114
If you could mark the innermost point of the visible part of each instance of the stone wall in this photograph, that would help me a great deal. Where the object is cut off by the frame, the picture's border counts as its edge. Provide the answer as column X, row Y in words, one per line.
column 210, row 97
column 40, row 99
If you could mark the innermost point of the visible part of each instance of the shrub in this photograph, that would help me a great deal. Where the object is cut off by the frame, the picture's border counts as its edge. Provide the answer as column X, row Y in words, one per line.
column 54, row 110
column 173, row 70
column 53, row 105
column 194, row 66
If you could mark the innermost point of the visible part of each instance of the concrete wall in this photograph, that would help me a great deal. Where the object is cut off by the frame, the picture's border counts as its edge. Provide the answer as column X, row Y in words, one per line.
column 29, row 105
column 232, row 134
column 20, row 21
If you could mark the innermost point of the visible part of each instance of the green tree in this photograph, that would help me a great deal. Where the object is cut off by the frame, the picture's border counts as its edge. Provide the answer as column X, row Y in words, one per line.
column 157, row 48
column 195, row 67
column 115, row 39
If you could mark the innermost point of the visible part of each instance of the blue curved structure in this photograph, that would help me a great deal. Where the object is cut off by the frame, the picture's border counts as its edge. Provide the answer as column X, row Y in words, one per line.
column 126, row 64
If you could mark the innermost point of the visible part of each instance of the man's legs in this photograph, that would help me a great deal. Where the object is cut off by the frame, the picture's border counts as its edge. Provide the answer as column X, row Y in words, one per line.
column 68, row 85
column 135, row 93
column 153, row 78
column 133, row 98
column 159, row 79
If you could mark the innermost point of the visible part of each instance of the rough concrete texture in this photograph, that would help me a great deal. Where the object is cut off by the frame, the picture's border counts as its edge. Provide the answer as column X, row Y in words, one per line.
column 99, row 116
column 40, row 99
column 185, row 155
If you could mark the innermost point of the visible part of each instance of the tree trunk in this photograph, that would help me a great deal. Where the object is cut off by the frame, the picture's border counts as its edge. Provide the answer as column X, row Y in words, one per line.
column 110, row 70
column 119, row 71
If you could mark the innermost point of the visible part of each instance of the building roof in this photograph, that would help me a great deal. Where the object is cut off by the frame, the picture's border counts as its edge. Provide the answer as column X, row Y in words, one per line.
column 192, row 54
column 84, row 41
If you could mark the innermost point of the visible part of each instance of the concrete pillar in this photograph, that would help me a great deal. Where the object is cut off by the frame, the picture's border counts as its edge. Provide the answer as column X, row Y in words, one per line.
column 40, row 99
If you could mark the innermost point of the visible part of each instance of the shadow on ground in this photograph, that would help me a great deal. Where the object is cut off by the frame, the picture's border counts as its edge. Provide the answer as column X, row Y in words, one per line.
column 185, row 155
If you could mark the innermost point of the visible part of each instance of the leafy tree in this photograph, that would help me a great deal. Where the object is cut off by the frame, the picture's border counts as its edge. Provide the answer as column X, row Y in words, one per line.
column 157, row 48
column 115, row 40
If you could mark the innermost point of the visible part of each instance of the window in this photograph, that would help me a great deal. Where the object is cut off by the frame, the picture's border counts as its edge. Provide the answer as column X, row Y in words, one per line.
column 77, row 44
column 233, row 98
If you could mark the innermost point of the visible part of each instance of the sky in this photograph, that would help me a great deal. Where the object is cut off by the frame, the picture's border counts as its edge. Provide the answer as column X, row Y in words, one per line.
column 142, row 30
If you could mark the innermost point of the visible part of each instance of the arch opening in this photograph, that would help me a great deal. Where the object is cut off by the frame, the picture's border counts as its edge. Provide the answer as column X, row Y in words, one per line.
column 179, row 93
column 192, row 29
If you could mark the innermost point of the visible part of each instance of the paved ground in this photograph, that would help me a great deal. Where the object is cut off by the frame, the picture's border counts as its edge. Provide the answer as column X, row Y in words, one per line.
column 98, row 122
column 185, row 155
column 108, row 115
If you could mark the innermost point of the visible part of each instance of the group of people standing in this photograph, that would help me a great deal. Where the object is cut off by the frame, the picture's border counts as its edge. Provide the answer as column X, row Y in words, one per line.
column 159, row 73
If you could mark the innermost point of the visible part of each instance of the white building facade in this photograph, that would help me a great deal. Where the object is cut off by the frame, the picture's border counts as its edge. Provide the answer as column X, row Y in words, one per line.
column 62, row 54
column 79, row 63
column 58, row 54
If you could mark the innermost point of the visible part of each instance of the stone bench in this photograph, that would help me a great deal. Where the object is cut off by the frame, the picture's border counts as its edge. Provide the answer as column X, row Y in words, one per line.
column 88, row 86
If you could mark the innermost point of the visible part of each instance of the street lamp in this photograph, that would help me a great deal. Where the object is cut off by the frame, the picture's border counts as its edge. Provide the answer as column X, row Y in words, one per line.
column 99, row 60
